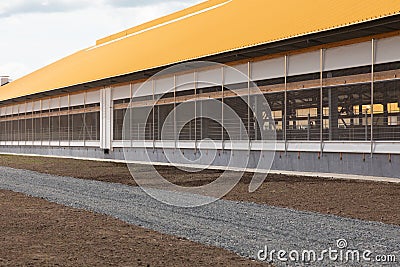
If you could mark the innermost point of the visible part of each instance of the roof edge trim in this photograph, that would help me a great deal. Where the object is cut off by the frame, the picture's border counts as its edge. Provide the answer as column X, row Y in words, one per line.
column 104, row 42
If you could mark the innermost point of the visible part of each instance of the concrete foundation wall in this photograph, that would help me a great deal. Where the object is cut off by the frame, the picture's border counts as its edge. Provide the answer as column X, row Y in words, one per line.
column 380, row 165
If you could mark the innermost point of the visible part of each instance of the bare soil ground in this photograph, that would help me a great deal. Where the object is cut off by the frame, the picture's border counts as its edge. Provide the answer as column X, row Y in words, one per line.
column 34, row 232
column 374, row 201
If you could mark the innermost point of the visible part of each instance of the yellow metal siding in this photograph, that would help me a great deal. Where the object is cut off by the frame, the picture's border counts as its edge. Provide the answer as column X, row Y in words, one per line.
column 231, row 25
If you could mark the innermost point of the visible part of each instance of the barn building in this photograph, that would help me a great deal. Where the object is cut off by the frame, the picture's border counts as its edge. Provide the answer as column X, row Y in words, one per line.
column 329, row 72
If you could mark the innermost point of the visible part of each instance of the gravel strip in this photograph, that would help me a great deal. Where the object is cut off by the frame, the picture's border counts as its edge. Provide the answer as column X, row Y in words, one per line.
column 244, row 228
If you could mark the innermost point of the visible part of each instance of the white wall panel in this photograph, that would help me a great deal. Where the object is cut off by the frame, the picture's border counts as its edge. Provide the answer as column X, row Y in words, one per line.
column 29, row 107
column 22, row 108
column 64, row 101
column 185, row 82
column 93, row 97
column 36, row 106
column 388, row 50
column 142, row 89
column 7, row 110
column 77, row 100
column 304, row 63
column 268, row 69
column 236, row 74
column 209, row 78
column 55, row 103
column 119, row 92
column 164, row 85
column 15, row 109
column 348, row 56
column 46, row 104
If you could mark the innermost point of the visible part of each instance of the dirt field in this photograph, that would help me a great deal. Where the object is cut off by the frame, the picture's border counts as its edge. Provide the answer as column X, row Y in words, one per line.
column 355, row 199
column 34, row 232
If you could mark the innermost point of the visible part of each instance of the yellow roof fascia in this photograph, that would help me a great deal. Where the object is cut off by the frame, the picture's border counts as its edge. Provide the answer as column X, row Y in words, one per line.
column 206, row 29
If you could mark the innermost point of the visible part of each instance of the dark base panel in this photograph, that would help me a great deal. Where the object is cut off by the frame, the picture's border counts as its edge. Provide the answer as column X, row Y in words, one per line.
column 380, row 165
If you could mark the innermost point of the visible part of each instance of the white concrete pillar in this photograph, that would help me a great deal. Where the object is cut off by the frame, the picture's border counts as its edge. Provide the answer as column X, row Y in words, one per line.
column 106, row 118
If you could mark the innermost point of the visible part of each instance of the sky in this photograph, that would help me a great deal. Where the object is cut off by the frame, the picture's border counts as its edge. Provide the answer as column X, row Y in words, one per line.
column 35, row 33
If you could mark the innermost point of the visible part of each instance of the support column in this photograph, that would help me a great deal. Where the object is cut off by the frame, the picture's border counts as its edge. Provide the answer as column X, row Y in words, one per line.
column 59, row 121
column 318, row 122
column 285, row 123
column 205, row 124
column 320, row 109
column 385, row 113
column 106, row 118
column 372, row 94
column 153, row 123
column 69, row 121
column 249, row 111
column 199, row 105
column 163, row 113
column 333, row 114
column 85, row 130
column 176, row 138
column 222, row 106
column 195, row 111
column 308, row 126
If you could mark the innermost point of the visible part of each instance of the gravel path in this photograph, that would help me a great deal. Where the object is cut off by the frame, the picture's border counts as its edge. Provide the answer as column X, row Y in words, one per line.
column 244, row 228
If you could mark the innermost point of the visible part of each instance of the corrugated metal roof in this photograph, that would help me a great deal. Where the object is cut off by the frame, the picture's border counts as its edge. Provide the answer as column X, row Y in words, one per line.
column 206, row 29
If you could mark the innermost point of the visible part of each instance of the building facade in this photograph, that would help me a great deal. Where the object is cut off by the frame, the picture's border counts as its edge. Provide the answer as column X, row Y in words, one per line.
column 333, row 97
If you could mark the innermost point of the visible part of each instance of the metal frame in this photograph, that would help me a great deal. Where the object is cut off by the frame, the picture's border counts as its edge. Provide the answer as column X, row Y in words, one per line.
column 381, row 147
column 373, row 78
column 153, row 113
column 195, row 79
column 321, row 101
column 285, row 119
column 248, row 102
column 175, row 139
column 372, row 94
column 222, row 105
